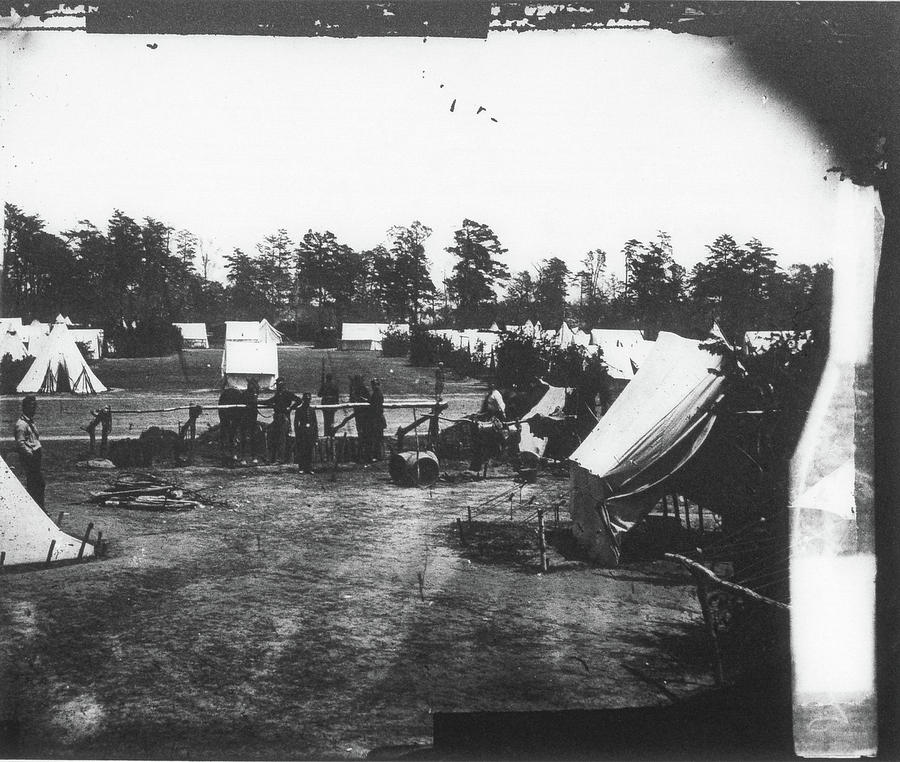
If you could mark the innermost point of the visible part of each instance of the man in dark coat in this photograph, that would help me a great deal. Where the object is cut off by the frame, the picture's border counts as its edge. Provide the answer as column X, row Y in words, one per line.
column 306, row 434
column 376, row 421
column 330, row 394
column 281, row 403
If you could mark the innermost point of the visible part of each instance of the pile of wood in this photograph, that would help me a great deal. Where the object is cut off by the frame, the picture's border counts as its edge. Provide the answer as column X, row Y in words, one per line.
column 145, row 496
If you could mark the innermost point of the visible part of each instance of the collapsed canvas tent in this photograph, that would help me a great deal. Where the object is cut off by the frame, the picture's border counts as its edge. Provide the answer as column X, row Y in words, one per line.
column 193, row 335
column 11, row 344
column 248, row 330
column 59, row 366
column 243, row 360
column 26, row 532
column 91, row 339
column 654, row 427
column 367, row 336
column 553, row 401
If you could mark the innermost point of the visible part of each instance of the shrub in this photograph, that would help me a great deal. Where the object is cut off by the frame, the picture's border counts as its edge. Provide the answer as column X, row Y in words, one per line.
column 427, row 349
column 395, row 343
column 12, row 372
column 325, row 338
column 155, row 337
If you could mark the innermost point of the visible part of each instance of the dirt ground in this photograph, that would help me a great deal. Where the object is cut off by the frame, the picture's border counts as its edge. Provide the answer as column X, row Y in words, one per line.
column 287, row 620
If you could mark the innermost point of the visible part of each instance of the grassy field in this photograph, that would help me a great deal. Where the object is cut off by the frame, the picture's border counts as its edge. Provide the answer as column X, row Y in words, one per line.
column 300, row 366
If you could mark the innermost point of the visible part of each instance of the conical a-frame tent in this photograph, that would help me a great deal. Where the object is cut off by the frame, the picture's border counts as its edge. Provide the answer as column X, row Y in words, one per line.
column 11, row 344
column 59, row 366
column 26, row 532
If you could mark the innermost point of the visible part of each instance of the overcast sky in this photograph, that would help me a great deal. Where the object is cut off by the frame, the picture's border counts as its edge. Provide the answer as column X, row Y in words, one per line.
column 600, row 137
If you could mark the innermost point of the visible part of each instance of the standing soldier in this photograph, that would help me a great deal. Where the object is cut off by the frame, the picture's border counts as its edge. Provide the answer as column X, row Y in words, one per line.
column 281, row 403
column 330, row 395
column 359, row 393
column 103, row 417
column 377, row 422
column 439, row 382
column 306, row 434
column 28, row 445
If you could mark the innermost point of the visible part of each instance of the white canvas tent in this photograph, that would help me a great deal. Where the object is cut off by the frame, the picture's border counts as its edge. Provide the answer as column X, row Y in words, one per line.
column 243, row 360
column 554, row 399
column 193, row 335
column 34, row 335
column 26, row 532
column 269, row 333
column 652, row 429
column 60, row 318
column 367, row 336
column 92, row 338
column 248, row 330
column 11, row 344
column 13, row 324
column 564, row 335
column 59, row 364
column 623, row 350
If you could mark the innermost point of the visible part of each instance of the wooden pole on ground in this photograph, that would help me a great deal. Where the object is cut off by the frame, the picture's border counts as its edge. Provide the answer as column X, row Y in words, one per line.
column 84, row 539
column 702, row 595
column 469, row 509
column 2, row 560
column 665, row 502
column 677, row 508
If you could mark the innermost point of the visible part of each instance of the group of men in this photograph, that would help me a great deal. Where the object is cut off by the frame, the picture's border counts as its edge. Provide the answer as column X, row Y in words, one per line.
column 370, row 421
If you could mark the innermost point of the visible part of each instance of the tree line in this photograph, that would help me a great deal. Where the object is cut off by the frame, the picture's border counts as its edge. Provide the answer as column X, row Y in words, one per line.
column 138, row 273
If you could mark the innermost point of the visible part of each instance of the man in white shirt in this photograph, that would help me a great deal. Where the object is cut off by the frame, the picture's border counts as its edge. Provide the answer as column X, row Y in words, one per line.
column 28, row 445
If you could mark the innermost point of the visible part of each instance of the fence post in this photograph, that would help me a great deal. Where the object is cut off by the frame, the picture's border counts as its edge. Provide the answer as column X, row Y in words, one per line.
column 50, row 552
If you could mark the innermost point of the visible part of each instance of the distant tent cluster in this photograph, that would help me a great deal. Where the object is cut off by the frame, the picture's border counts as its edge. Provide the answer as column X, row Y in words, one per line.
column 59, row 364
column 251, row 352
column 367, row 336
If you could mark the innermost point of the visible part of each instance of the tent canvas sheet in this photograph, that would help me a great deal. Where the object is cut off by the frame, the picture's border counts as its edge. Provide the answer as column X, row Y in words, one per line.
column 92, row 338
column 26, row 532
column 652, row 429
column 243, row 360
column 268, row 332
column 193, row 335
column 11, row 324
column 59, row 359
column 367, row 336
column 554, row 399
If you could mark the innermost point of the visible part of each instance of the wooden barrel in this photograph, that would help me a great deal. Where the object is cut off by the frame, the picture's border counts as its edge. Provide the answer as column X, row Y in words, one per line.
column 412, row 469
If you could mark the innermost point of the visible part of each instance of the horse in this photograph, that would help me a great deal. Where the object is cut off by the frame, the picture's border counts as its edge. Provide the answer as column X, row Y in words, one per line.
column 237, row 425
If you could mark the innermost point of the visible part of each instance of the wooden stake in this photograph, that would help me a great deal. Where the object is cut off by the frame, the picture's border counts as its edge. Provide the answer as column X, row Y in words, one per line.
column 665, row 502
column 462, row 535
column 2, row 559
column 60, row 518
column 50, row 552
column 542, row 547
column 421, row 586
column 84, row 539
column 677, row 508
column 469, row 509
